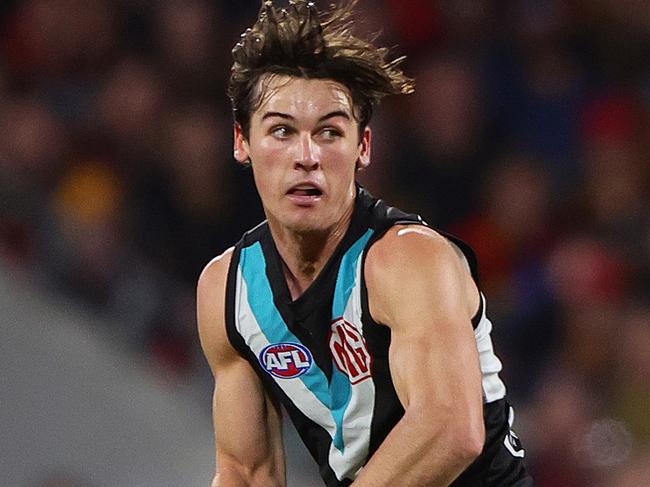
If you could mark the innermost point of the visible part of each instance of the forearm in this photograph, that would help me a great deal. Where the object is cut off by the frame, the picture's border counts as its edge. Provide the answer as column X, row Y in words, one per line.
column 417, row 455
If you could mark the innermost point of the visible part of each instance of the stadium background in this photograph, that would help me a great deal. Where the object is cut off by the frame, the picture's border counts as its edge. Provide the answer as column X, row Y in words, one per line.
column 528, row 136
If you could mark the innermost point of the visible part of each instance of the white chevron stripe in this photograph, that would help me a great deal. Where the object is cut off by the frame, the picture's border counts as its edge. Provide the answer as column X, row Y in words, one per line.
column 359, row 413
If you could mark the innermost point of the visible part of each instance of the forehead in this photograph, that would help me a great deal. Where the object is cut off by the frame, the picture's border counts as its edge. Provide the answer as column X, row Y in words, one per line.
column 301, row 97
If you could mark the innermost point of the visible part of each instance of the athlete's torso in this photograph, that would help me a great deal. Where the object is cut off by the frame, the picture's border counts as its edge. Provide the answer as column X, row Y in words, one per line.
column 325, row 359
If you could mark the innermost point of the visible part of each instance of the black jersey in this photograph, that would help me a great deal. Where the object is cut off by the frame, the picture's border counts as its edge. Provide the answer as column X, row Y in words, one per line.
column 325, row 359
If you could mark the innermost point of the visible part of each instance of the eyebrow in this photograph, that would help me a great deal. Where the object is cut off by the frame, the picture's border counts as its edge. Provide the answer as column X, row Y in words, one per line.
column 286, row 116
column 337, row 113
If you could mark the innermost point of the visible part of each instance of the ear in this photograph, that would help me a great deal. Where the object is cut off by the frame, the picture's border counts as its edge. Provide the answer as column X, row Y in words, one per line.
column 364, row 156
column 241, row 149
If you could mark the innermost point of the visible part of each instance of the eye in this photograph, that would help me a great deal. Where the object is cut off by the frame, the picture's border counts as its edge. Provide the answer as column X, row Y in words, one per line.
column 281, row 131
column 330, row 133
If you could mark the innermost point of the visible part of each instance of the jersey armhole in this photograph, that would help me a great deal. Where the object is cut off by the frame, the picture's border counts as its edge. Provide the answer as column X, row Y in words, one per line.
column 464, row 248
column 469, row 254
column 365, row 307
column 234, row 337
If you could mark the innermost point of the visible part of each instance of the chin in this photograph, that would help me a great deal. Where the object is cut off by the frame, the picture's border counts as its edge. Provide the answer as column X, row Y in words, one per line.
column 305, row 227
column 304, row 224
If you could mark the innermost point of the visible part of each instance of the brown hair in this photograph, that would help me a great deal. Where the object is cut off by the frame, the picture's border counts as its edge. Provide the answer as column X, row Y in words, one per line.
column 299, row 41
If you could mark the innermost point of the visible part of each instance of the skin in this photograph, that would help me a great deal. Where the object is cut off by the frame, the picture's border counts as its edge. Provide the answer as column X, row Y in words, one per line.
column 305, row 132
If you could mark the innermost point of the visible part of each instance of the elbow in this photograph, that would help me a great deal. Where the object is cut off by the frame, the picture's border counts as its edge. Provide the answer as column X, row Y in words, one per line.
column 468, row 442
column 458, row 435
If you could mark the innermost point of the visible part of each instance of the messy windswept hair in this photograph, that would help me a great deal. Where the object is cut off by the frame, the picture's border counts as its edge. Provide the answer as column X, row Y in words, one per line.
column 299, row 41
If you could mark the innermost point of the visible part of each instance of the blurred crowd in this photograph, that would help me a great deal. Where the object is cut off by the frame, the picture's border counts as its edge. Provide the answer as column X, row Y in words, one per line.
column 528, row 136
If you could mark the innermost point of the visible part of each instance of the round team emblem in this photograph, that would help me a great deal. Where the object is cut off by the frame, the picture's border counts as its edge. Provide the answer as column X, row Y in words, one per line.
column 286, row 360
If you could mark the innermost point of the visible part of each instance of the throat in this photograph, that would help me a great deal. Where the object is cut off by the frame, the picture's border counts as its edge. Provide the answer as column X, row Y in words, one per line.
column 303, row 261
column 305, row 254
column 300, row 282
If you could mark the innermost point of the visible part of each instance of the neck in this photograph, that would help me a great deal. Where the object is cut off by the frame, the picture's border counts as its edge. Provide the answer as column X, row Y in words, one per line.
column 305, row 254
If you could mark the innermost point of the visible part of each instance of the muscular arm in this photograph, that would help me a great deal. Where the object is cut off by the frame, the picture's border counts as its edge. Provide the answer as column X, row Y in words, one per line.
column 418, row 287
column 247, row 423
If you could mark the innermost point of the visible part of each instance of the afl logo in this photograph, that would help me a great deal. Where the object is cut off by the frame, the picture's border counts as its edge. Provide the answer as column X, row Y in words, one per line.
column 286, row 360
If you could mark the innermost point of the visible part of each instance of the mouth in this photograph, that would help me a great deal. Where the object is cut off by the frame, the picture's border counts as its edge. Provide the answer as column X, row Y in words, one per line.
column 305, row 194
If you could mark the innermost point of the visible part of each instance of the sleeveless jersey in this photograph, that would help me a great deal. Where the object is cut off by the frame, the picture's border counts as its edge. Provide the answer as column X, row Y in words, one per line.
column 326, row 361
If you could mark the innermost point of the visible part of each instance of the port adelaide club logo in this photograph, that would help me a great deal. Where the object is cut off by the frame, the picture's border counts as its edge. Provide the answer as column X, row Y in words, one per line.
column 349, row 351
column 286, row 360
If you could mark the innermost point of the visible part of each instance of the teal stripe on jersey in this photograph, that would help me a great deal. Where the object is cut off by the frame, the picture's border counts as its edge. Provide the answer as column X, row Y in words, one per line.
column 340, row 388
column 347, row 276
column 271, row 323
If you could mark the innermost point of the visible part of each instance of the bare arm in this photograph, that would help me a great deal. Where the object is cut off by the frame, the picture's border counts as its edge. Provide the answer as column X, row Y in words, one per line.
column 418, row 287
column 248, row 425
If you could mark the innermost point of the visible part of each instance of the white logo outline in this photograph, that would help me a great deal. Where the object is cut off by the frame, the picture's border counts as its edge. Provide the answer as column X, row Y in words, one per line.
column 271, row 362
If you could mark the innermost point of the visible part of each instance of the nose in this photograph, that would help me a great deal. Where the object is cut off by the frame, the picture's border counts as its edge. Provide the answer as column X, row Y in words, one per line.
column 308, row 154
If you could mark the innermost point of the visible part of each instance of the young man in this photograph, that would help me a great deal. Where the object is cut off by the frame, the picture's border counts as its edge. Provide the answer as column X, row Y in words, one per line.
column 365, row 324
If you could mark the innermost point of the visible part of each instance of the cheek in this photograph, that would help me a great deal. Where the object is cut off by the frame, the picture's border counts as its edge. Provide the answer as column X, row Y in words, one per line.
column 274, row 155
column 264, row 179
column 342, row 163
column 268, row 174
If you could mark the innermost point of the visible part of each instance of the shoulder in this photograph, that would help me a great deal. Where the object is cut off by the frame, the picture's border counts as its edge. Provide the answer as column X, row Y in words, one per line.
column 214, row 274
column 211, row 302
column 414, row 263
column 408, row 248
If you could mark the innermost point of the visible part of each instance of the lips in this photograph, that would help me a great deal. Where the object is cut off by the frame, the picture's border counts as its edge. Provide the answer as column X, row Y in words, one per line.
column 305, row 194
column 306, row 189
